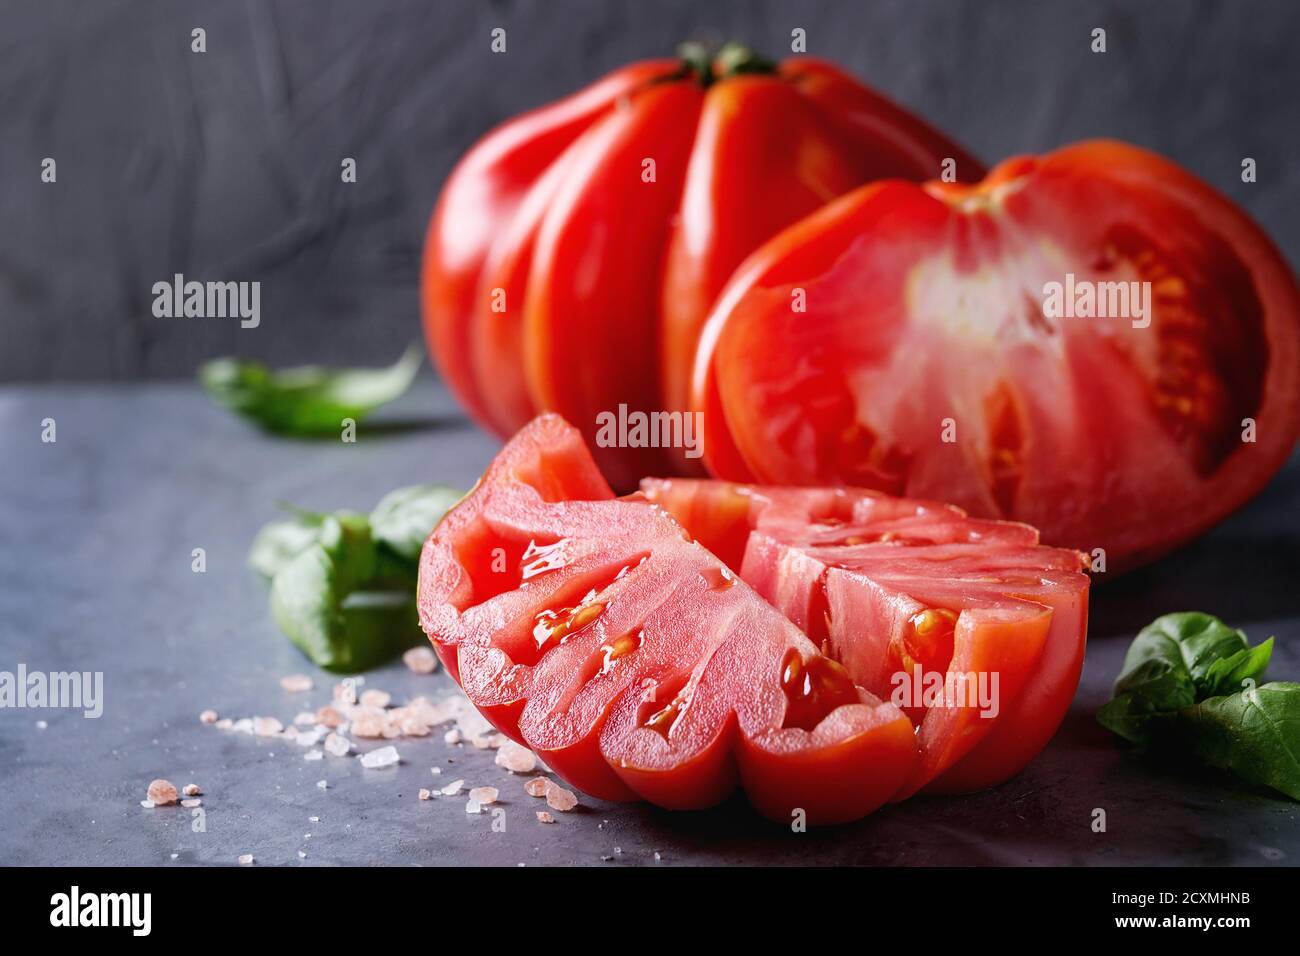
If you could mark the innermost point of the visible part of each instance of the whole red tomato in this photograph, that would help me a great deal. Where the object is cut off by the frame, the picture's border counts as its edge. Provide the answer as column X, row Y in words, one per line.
column 576, row 250
column 1093, row 341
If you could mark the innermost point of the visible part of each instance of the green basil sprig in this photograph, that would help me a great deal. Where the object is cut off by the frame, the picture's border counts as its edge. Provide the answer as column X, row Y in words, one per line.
column 343, row 584
column 1190, row 682
column 311, row 399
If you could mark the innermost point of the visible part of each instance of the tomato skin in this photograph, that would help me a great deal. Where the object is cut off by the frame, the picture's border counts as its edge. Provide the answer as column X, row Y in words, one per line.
column 1117, row 438
column 556, row 277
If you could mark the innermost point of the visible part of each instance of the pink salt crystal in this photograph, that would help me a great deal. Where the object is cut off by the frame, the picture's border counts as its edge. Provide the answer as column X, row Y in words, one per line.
column 305, row 719
column 367, row 725
column 484, row 795
column 537, row 787
column 421, row 660
column 392, row 730
column 225, row 723
column 480, row 743
column 327, row 716
column 296, row 683
column 426, row 794
column 266, row 726
column 496, row 741
column 208, row 717
column 557, row 798
column 192, row 790
column 337, row 745
column 375, row 698
column 246, row 859
column 414, row 727
column 515, row 758
column 191, row 803
column 544, row 817
column 452, row 736
column 162, row 792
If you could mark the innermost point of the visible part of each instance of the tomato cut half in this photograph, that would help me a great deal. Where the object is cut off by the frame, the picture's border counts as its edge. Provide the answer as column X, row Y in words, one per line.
column 604, row 634
column 1093, row 341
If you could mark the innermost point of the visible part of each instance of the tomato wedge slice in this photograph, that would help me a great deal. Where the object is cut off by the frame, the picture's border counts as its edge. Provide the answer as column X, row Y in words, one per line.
column 596, row 632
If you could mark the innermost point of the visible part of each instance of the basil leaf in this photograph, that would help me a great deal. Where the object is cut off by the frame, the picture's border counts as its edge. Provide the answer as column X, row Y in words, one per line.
column 1190, row 640
column 324, row 599
column 309, row 400
column 403, row 518
column 1229, row 673
column 1144, row 697
column 280, row 541
column 1255, row 733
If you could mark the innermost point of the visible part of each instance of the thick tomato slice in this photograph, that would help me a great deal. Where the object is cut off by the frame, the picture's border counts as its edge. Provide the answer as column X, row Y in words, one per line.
column 898, row 590
column 926, row 363
column 596, row 632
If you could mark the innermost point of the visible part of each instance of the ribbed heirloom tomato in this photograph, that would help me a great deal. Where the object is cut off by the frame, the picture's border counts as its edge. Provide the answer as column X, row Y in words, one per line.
column 698, row 635
column 1092, row 341
column 576, row 250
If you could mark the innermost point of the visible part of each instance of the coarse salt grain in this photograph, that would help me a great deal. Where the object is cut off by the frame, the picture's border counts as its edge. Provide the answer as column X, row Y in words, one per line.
column 246, row 859
column 473, row 806
column 516, row 758
column 369, row 726
column 425, row 793
column 537, row 787
column 192, row 790
column 266, row 726
column 338, row 745
column 162, row 792
column 484, row 795
column 305, row 719
column 208, row 717
column 375, row 698
column 314, row 754
column 383, row 757
column 451, row 737
column 557, row 798
column 147, row 804
column 544, row 817
column 452, row 788
column 421, row 660
column 296, row 683
column 191, row 803
column 327, row 716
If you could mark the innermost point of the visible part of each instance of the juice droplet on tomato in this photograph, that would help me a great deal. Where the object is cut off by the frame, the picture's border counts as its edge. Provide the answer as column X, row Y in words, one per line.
column 719, row 578
column 813, row 689
column 663, row 720
column 553, row 627
column 540, row 558
column 619, row 648
column 925, row 645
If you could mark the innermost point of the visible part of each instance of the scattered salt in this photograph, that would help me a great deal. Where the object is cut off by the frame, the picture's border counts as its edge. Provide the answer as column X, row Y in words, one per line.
column 421, row 660
column 515, row 758
column 383, row 757
column 162, row 792
column 296, row 683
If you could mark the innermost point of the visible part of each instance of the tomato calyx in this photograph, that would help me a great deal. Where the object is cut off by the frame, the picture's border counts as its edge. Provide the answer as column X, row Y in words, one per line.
column 709, row 65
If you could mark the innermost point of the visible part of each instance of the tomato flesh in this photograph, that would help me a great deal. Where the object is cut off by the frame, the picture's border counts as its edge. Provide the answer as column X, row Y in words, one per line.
column 1093, row 342
column 604, row 635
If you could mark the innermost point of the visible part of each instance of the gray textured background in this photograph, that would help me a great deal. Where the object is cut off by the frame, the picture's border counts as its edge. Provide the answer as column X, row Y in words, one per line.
column 226, row 165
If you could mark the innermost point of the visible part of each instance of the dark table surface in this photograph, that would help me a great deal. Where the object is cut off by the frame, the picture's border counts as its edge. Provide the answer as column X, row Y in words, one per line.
column 96, row 535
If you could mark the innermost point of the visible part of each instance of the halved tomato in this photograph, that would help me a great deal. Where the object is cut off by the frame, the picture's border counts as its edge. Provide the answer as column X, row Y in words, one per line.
column 599, row 633
column 576, row 250
column 1093, row 341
